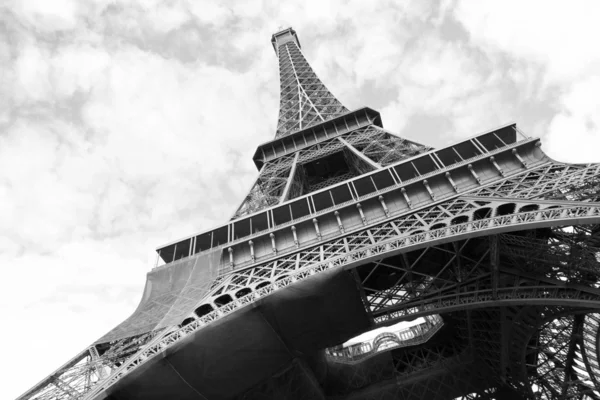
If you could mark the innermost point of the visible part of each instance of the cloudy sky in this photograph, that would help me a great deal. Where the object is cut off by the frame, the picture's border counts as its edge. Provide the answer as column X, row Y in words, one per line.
column 127, row 124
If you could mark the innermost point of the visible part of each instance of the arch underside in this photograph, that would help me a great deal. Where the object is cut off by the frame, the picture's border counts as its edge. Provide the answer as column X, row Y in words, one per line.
column 530, row 332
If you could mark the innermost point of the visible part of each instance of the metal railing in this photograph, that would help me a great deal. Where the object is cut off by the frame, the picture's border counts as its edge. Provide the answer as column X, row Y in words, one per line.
column 411, row 336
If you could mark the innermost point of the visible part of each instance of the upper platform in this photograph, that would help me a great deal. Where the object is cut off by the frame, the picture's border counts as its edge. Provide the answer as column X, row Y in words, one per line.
column 403, row 179
column 282, row 37
column 325, row 130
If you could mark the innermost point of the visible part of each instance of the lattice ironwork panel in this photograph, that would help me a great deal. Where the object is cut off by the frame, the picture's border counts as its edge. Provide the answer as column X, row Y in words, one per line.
column 383, row 147
column 304, row 99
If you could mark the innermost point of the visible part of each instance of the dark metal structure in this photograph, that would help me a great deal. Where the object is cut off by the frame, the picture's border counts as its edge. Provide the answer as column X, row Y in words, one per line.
column 348, row 228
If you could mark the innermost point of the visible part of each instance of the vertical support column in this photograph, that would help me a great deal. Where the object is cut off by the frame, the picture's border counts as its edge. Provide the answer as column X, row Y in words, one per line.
column 494, row 262
column 317, row 231
column 431, row 194
column 295, row 236
column 449, row 177
column 362, row 215
column 458, row 270
column 516, row 154
column 363, row 295
column 339, row 221
column 472, row 171
column 504, row 351
column 495, row 164
column 403, row 190
column 273, row 245
column 290, row 180
column 252, row 257
column 470, row 331
column 385, row 209
column 230, row 250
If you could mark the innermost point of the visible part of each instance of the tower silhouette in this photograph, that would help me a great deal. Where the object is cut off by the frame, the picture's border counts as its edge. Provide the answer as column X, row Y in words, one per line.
column 487, row 249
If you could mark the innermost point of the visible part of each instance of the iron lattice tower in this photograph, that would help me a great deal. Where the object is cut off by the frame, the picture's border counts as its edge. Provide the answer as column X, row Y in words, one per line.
column 488, row 246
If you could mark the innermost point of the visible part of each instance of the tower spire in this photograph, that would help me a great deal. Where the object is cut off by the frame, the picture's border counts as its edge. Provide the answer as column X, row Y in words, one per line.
column 304, row 99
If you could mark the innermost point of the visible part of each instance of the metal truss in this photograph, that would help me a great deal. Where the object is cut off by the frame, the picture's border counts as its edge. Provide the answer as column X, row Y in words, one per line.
column 551, row 181
column 78, row 376
column 405, row 374
column 293, row 382
column 364, row 149
column 445, row 219
column 488, row 394
column 548, row 353
column 304, row 99
column 269, row 187
column 385, row 148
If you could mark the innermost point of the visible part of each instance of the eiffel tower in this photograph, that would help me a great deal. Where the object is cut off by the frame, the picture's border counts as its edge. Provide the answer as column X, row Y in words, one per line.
column 480, row 260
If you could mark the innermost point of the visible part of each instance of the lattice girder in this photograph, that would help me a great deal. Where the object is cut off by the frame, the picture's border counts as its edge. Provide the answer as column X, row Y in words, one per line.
column 304, row 99
column 276, row 174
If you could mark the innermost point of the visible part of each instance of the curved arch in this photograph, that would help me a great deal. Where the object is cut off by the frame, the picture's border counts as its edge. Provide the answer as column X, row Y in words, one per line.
column 453, row 303
column 242, row 292
column 591, row 332
column 523, row 325
column 186, row 321
column 263, row 284
column 203, row 310
column 557, row 327
column 385, row 338
column 223, row 300
column 482, row 213
column 461, row 219
column 505, row 209
column 529, row 207
column 440, row 225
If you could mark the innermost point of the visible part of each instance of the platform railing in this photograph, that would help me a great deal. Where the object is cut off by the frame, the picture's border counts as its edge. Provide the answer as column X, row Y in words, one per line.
column 411, row 336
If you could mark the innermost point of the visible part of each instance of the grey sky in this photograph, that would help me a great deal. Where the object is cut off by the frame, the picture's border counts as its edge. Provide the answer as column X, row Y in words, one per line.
column 128, row 124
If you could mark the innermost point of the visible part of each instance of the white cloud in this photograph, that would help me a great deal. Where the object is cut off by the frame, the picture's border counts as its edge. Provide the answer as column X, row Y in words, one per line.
column 32, row 73
column 552, row 47
column 211, row 12
column 574, row 134
column 560, row 35
column 78, row 67
column 47, row 16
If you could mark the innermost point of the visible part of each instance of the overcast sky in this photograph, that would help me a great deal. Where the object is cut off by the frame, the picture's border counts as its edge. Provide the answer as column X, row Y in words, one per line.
column 127, row 124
